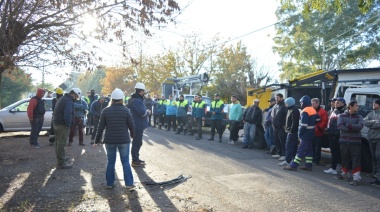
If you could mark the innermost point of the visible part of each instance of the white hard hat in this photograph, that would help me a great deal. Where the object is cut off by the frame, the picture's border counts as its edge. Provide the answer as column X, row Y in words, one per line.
column 77, row 91
column 140, row 85
column 117, row 94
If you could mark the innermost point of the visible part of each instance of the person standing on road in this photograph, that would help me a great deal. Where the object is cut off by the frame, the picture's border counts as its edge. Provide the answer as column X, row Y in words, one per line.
column 156, row 116
column 90, row 126
column 182, row 107
column 80, row 108
column 333, row 136
column 119, row 125
column 200, row 113
column 372, row 121
column 268, row 126
column 216, row 110
column 350, row 124
column 278, row 114
column 291, row 128
column 140, row 118
column 320, row 127
column 252, row 117
column 96, row 110
column 191, row 116
column 235, row 117
column 308, row 118
column 161, row 110
column 171, row 110
column 149, row 106
column 36, row 113
column 63, row 114
column 59, row 94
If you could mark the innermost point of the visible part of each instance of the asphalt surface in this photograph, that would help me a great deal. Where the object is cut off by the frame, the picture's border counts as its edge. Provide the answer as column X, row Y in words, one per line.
column 224, row 177
column 228, row 178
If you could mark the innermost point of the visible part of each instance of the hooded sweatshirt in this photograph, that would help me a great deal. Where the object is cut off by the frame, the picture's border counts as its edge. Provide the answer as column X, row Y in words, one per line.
column 36, row 107
column 308, row 118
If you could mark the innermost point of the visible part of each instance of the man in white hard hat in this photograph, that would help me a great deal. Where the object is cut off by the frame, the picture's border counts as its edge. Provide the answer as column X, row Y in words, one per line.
column 140, row 117
column 62, row 117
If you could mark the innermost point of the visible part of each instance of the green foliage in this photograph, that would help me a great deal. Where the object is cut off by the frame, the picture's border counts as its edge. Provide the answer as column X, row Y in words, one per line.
column 326, row 40
column 13, row 86
column 89, row 80
column 337, row 6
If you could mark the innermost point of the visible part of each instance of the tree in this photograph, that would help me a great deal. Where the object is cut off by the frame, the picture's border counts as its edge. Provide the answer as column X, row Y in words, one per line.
column 309, row 6
column 90, row 80
column 40, row 33
column 13, row 86
column 326, row 40
column 235, row 71
column 120, row 77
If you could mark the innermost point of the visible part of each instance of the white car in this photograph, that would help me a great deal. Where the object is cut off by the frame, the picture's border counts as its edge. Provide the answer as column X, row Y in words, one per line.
column 14, row 117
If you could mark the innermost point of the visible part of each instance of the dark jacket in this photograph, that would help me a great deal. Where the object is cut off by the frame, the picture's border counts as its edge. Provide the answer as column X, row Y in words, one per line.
column 97, row 107
column 278, row 120
column 268, row 118
column 64, row 110
column 350, row 126
column 117, row 120
column 148, row 103
column 332, row 125
column 138, row 110
column 292, row 120
column 253, row 115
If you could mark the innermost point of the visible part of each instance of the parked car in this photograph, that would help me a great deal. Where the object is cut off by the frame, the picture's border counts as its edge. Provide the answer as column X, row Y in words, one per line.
column 14, row 117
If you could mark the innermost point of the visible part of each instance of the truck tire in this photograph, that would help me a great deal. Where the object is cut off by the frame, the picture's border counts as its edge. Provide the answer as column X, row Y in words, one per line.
column 259, row 141
column 366, row 157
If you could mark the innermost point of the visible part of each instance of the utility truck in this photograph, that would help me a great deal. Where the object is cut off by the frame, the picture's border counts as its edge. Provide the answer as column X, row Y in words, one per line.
column 362, row 85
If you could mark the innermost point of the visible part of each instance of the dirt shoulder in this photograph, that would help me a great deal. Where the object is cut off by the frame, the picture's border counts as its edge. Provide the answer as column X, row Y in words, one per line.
column 30, row 181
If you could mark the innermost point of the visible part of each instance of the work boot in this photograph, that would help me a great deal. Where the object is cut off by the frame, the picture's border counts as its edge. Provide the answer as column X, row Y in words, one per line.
column 211, row 139
column 289, row 168
column 64, row 166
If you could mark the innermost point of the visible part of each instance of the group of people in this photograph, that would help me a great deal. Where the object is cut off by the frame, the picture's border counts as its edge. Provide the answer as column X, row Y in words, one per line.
column 292, row 135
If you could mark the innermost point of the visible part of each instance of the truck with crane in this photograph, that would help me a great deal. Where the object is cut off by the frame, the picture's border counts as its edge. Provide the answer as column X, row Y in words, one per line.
column 362, row 85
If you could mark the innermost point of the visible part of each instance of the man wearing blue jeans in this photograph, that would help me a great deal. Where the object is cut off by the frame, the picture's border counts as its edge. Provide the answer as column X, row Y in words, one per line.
column 140, row 118
column 36, row 112
column 252, row 116
column 268, row 126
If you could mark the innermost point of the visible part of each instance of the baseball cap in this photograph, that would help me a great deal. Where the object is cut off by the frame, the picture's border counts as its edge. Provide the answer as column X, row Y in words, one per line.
column 333, row 99
column 341, row 100
column 272, row 99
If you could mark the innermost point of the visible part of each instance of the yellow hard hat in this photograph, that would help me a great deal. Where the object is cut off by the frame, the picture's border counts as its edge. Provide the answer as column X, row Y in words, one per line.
column 59, row 90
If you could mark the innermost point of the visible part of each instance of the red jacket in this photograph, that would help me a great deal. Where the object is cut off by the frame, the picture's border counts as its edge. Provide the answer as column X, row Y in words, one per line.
column 322, row 121
column 33, row 102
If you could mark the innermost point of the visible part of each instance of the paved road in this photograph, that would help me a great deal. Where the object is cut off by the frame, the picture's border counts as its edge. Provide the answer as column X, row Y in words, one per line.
column 228, row 178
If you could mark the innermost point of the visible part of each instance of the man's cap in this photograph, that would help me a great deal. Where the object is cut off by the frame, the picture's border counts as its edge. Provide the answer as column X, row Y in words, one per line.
column 256, row 100
column 333, row 99
column 377, row 101
column 216, row 95
column 272, row 99
column 341, row 100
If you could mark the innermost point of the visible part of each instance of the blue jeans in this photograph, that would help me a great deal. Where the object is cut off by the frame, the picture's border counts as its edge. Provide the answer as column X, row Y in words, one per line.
column 269, row 135
column 291, row 146
column 136, row 145
column 317, row 145
column 249, row 133
column 124, row 158
column 36, row 125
